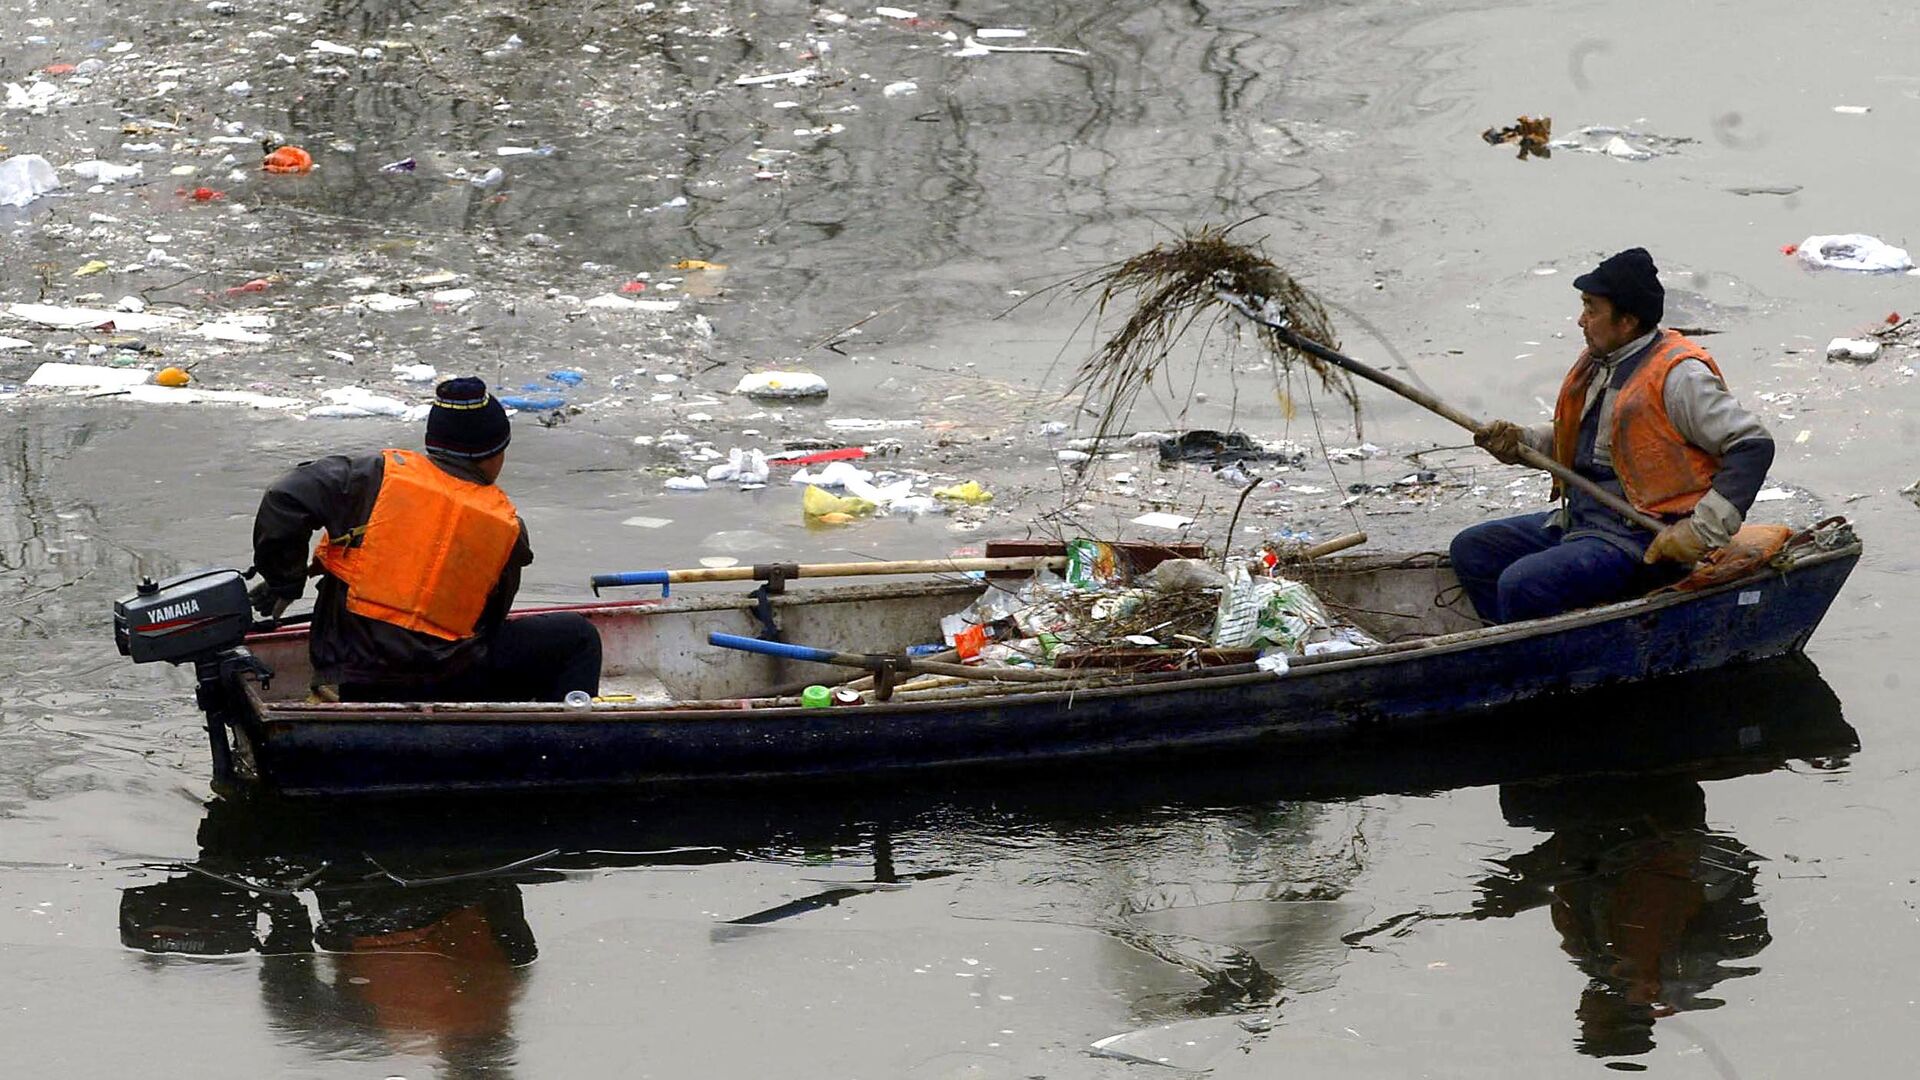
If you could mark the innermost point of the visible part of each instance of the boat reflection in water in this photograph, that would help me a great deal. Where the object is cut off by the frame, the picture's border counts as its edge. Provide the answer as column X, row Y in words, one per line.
column 422, row 945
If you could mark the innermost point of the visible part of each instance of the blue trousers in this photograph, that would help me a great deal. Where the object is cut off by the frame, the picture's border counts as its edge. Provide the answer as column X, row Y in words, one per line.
column 1517, row 568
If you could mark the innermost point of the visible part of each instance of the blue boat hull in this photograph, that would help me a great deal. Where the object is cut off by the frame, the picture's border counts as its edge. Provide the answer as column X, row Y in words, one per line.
column 293, row 752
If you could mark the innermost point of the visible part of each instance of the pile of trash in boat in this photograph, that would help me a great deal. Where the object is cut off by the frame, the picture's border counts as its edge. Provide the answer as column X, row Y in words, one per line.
column 1180, row 614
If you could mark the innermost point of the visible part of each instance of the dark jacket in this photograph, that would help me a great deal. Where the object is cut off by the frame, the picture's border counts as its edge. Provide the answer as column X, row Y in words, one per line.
column 337, row 494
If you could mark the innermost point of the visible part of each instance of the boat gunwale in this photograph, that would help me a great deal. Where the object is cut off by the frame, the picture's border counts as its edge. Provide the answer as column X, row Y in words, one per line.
column 274, row 713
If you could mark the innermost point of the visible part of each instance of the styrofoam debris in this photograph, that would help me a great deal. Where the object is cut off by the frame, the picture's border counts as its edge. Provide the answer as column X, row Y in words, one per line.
column 849, row 423
column 14, row 343
column 106, row 172
column 796, row 77
column 647, row 522
column 1156, row 519
column 187, row 395
column 1772, row 494
column 781, row 384
column 415, row 373
column 238, row 329
column 1841, row 348
column 348, row 402
column 615, row 302
column 896, row 89
column 382, row 302
column 75, row 318
column 87, row 376
column 1619, row 147
column 686, row 483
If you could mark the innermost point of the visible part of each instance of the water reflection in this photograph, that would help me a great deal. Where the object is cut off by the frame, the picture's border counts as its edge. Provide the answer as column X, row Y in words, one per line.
column 1222, row 885
column 434, row 970
column 1651, row 904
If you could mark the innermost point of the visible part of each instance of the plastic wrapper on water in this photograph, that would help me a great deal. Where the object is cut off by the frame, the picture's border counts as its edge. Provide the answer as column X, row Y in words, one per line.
column 26, row 178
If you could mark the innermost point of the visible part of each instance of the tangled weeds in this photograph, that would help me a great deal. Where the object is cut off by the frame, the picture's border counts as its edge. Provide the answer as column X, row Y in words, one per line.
column 1170, row 286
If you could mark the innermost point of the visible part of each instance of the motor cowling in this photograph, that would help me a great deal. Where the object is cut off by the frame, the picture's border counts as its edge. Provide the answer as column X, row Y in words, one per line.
column 190, row 617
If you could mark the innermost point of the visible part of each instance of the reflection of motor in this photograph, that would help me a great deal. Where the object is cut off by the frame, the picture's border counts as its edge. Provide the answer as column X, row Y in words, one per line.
column 199, row 618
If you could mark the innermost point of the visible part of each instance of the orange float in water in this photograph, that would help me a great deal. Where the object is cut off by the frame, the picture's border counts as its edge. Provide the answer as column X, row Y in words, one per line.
column 288, row 159
column 172, row 376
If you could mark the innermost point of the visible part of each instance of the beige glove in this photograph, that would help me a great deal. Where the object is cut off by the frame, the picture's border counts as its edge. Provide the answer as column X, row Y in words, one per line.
column 1503, row 439
column 1679, row 542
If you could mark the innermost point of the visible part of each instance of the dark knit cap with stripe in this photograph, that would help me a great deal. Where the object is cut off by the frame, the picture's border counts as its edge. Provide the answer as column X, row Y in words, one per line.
column 466, row 421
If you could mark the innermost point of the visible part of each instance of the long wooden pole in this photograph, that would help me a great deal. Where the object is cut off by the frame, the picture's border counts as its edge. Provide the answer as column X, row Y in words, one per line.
column 1434, row 405
column 852, row 569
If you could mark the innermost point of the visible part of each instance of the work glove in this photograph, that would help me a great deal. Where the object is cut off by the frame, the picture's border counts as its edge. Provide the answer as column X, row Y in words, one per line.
column 268, row 602
column 1503, row 439
column 1679, row 542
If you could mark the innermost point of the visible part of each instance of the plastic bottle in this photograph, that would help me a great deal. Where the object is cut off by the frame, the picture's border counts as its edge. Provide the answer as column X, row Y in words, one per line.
column 816, row 697
column 579, row 699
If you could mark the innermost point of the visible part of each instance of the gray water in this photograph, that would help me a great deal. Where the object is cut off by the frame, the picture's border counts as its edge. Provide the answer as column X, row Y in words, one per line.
column 1712, row 878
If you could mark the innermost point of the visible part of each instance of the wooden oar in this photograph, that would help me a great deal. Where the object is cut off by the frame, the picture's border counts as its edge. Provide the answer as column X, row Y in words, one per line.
column 1276, row 321
column 853, row 569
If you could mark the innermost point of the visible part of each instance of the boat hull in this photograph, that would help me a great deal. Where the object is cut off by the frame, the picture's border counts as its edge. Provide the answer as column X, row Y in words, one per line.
column 335, row 751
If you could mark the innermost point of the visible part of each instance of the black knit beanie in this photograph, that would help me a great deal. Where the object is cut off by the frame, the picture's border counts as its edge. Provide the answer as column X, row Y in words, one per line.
column 466, row 421
column 1632, row 282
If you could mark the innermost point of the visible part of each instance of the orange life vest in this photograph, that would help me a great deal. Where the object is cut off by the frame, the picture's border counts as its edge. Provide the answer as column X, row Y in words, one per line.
column 1661, row 472
column 430, row 552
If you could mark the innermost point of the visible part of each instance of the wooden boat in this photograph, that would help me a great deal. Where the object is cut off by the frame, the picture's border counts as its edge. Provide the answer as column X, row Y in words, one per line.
column 698, row 713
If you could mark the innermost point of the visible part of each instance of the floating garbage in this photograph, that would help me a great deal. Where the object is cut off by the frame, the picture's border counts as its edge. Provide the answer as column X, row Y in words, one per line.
column 106, row 172
column 837, row 474
column 686, row 483
column 1859, row 350
column 1532, row 134
column 1157, row 519
column 288, row 159
column 171, row 376
column 533, row 402
column 358, row 402
column 1851, row 251
column 612, row 302
column 969, row 492
column 66, row 376
column 24, row 178
column 415, row 373
column 1218, row 447
column 816, row 503
column 778, row 385
column 748, row 468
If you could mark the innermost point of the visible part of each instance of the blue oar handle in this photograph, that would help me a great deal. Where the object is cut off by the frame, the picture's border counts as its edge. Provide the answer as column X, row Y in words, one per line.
column 662, row 578
column 772, row 648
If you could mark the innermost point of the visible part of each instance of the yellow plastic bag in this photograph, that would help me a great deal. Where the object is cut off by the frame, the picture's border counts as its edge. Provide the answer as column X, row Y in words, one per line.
column 819, row 504
column 970, row 493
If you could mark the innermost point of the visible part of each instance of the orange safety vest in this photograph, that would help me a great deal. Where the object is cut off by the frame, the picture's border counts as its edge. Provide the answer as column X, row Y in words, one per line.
column 431, row 550
column 1661, row 472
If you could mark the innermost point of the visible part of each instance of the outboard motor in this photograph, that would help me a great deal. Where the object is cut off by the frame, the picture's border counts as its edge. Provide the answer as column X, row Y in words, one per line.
column 183, row 618
column 199, row 618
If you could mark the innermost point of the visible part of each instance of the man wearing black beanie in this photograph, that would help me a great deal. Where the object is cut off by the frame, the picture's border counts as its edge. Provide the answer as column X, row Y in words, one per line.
column 1645, row 415
column 419, row 561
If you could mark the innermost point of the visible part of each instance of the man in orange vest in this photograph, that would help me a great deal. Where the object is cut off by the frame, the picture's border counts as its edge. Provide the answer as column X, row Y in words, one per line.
column 420, row 557
column 1644, row 414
